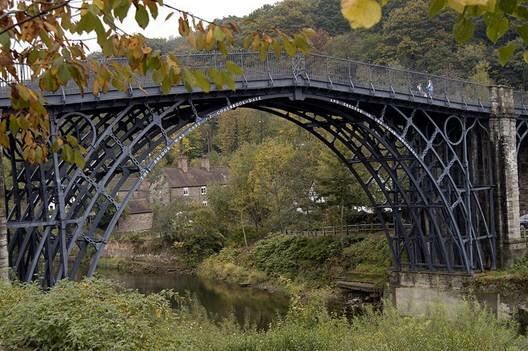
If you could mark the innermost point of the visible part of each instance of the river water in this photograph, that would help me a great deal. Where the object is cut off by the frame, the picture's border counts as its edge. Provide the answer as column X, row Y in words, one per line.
column 249, row 307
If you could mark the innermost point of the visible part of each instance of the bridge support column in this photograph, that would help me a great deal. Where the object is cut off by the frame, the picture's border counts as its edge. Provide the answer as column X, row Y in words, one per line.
column 503, row 137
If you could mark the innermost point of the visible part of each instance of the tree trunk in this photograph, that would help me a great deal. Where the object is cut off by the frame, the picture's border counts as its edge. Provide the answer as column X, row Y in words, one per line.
column 4, row 254
column 243, row 228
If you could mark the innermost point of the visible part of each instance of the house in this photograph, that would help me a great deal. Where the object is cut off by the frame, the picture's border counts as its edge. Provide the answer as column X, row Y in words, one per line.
column 180, row 183
column 187, row 183
column 138, row 214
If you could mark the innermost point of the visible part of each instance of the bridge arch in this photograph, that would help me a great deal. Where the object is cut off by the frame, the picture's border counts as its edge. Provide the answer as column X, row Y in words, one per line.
column 415, row 168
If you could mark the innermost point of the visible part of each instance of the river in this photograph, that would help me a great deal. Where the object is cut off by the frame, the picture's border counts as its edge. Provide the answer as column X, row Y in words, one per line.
column 250, row 307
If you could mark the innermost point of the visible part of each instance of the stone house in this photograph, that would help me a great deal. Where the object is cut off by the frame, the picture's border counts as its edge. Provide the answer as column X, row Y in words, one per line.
column 187, row 183
column 180, row 183
column 138, row 213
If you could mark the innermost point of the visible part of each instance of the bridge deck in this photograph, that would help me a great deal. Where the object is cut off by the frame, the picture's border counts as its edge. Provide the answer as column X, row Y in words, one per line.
column 340, row 75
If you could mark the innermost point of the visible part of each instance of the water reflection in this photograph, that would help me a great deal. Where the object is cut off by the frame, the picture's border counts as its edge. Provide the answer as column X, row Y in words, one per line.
column 249, row 307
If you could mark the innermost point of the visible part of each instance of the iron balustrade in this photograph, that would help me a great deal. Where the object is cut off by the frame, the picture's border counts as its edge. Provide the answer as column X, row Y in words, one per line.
column 305, row 69
column 369, row 228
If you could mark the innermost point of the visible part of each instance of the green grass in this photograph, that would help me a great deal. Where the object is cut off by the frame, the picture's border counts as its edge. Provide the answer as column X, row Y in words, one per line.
column 288, row 262
column 508, row 281
column 95, row 315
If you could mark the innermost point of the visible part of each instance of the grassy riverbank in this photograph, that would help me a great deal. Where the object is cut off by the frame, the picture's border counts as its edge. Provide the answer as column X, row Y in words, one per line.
column 96, row 315
column 286, row 262
column 510, row 281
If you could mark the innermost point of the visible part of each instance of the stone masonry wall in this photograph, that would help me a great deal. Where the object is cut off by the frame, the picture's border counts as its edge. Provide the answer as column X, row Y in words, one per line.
column 136, row 222
column 523, row 178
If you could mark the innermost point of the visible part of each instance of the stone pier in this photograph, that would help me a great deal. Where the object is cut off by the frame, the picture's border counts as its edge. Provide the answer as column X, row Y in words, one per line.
column 503, row 137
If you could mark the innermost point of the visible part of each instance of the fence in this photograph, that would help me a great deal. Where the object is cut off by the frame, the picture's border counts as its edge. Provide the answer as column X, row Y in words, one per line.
column 350, row 229
column 319, row 68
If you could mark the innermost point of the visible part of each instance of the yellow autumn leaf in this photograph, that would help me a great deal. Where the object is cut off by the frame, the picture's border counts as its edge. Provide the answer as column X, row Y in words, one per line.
column 361, row 13
column 458, row 5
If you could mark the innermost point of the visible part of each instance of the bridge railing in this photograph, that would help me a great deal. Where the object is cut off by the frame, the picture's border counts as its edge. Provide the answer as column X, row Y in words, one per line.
column 350, row 229
column 399, row 83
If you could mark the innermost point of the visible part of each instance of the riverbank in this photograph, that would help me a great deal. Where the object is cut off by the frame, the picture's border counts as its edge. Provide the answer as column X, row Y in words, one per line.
column 277, row 263
column 64, row 318
column 297, row 263
column 143, row 253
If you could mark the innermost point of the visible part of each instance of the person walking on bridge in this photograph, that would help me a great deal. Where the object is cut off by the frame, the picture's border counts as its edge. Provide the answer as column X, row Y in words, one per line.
column 429, row 88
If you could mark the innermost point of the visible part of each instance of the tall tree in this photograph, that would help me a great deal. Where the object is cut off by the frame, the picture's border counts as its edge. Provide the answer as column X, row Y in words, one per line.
column 335, row 184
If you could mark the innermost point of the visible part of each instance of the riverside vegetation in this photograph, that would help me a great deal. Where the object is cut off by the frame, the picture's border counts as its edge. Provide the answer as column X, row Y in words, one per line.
column 97, row 315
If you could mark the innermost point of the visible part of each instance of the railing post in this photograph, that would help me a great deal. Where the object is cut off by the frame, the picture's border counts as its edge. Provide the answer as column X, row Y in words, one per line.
column 350, row 80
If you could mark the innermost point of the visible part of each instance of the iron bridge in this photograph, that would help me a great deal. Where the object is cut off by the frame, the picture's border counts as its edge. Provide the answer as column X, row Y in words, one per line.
column 427, row 159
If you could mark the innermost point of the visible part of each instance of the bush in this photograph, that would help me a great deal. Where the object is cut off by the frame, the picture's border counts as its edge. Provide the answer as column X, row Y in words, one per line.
column 95, row 315
column 91, row 315
column 285, row 254
column 223, row 266
column 370, row 251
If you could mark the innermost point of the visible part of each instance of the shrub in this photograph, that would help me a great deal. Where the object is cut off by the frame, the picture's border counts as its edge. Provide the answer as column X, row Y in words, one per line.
column 371, row 251
column 91, row 315
column 95, row 315
column 284, row 254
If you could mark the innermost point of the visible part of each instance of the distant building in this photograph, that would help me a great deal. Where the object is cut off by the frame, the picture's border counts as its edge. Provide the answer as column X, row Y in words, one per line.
column 187, row 183
column 138, row 216
column 182, row 183
column 138, row 213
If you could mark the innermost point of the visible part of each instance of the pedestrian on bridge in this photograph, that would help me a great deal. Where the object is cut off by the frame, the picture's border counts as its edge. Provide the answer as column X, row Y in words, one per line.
column 430, row 88
column 420, row 90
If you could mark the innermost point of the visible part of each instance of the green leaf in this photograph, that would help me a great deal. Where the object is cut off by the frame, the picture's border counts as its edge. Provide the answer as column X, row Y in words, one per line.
column 288, row 46
column 67, row 153
column 496, row 27
column 521, row 12
column 24, row 123
column 5, row 41
column 219, row 34
column 188, row 79
column 64, row 73
column 216, row 77
column 56, row 146
column 202, row 81
column 72, row 140
column 121, row 11
column 361, row 13
column 78, row 159
column 301, row 43
column 523, row 32
column 507, row 6
column 506, row 52
column 464, row 30
column 142, row 17
column 166, row 85
column 436, row 6
column 13, row 125
column 90, row 22
column 169, row 16
column 228, row 80
column 234, row 68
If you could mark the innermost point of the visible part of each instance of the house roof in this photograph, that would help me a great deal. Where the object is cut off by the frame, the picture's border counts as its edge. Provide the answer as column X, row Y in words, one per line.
column 195, row 176
column 127, row 185
column 137, row 206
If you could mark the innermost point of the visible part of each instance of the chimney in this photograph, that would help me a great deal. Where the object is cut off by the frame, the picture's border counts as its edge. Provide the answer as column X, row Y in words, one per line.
column 205, row 163
column 183, row 164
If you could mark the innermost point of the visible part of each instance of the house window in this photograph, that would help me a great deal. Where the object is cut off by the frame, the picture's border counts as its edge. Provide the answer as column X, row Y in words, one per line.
column 203, row 190
column 185, row 191
column 204, row 202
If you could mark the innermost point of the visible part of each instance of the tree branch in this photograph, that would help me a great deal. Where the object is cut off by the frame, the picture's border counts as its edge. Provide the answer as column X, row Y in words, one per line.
column 35, row 16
